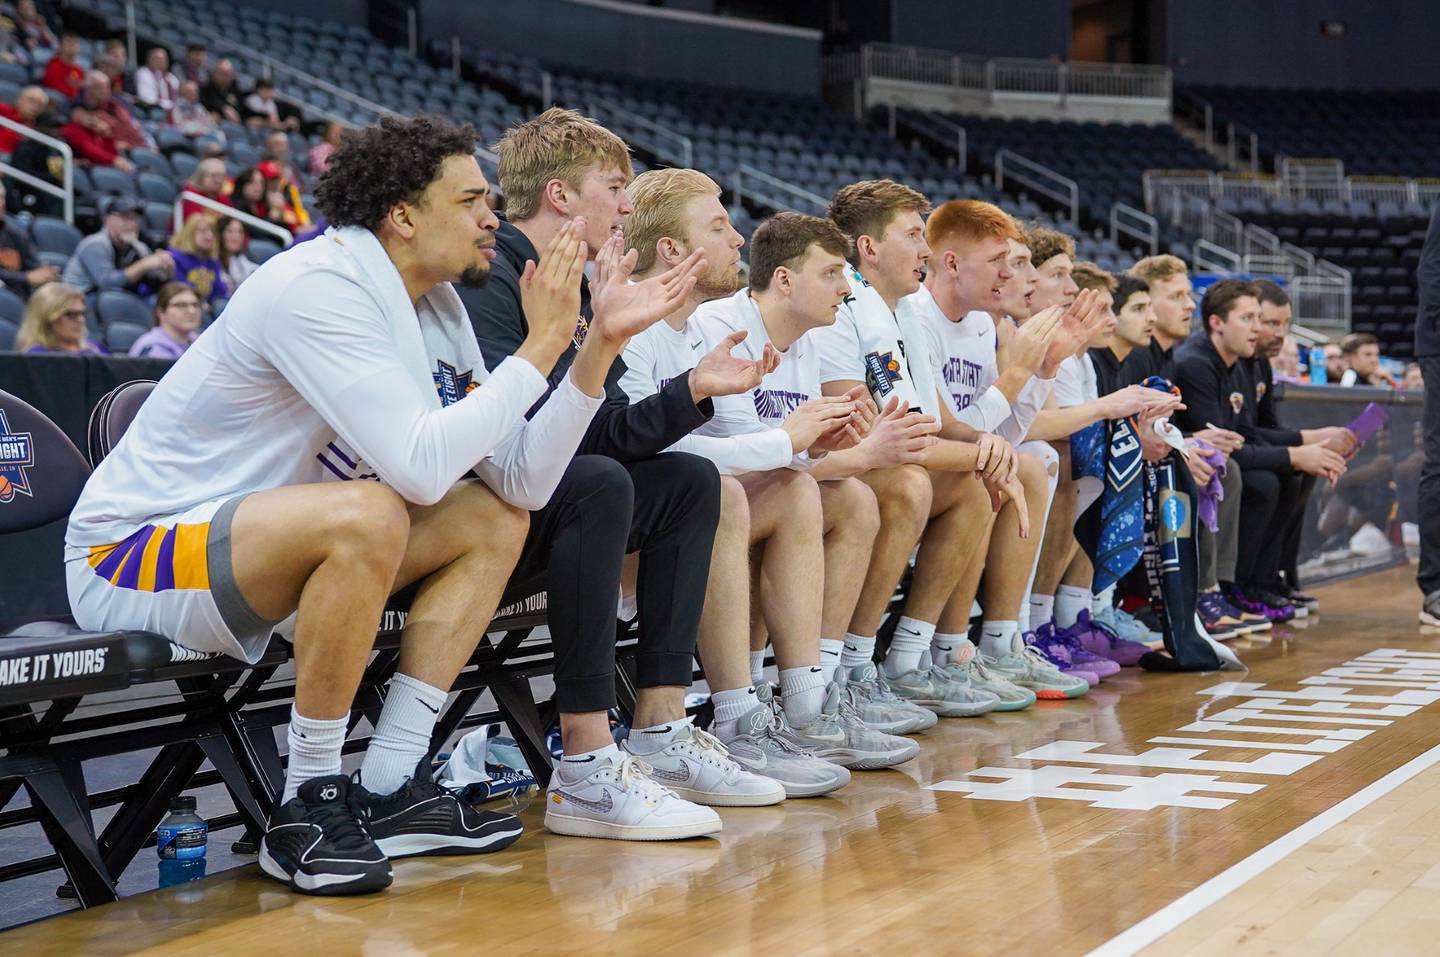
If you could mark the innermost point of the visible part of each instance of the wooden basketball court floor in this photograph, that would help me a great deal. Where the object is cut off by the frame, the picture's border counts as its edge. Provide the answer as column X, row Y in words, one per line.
column 1164, row 814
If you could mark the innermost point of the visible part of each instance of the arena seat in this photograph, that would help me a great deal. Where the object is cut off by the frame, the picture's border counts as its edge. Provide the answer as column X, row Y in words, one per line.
column 8, row 331
column 12, row 307
column 53, row 235
column 120, row 336
column 118, row 305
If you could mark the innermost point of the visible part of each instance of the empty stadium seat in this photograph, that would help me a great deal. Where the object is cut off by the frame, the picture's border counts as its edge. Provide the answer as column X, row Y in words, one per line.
column 54, row 235
column 117, row 305
column 12, row 307
column 112, row 182
column 120, row 335
column 8, row 331
column 157, row 188
column 262, row 249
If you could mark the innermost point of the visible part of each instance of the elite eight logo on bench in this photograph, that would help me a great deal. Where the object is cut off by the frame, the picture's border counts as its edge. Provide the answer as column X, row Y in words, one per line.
column 16, row 455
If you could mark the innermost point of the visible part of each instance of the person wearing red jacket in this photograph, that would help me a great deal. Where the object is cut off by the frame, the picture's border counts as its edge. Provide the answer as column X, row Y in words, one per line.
column 64, row 72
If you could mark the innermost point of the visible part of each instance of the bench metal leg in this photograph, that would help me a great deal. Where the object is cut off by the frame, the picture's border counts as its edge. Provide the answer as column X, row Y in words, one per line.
column 517, row 704
column 71, row 832
column 136, row 819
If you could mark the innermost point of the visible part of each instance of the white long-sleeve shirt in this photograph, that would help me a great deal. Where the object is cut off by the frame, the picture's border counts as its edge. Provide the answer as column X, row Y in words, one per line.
column 795, row 381
column 321, row 368
column 887, row 351
column 660, row 354
column 964, row 355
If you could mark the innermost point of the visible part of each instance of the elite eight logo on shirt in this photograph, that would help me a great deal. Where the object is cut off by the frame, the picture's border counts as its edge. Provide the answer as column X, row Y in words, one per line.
column 882, row 371
column 452, row 385
column 17, row 453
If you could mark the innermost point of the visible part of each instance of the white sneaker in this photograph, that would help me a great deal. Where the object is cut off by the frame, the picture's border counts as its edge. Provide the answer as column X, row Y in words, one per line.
column 1369, row 541
column 863, row 749
column 618, row 800
column 695, row 765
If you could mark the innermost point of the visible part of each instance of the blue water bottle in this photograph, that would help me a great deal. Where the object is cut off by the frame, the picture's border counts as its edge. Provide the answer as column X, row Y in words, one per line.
column 1317, row 366
column 180, row 841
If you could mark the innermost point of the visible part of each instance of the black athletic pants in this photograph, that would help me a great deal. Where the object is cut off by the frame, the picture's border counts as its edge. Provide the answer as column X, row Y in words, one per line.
column 1429, row 574
column 1269, row 505
column 1299, row 515
column 666, row 508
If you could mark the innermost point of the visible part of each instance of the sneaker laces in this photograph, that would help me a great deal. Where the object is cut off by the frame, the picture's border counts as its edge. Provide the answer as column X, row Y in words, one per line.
column 1037, row 661
column 343, row 822
column 711, row 750
column 634, row 775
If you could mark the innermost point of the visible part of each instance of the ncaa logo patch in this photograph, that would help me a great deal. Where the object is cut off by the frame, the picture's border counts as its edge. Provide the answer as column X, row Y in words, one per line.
column 1237, row 402
column 1174, row 515
column 17, row 453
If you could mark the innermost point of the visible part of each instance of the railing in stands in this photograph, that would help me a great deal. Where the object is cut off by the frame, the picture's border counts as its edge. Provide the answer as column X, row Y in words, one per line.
column 1040, row 178
column 958, row 139
column 66, row 190
column 1135, row 223
column 1244, row 149
column 775, row 192
column 660, row 139
column 254, row 222
column 1005, row 75
column 1210, row 257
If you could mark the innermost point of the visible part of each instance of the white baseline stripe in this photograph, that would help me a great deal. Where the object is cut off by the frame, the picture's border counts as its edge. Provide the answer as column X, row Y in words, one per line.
column 1174, row 914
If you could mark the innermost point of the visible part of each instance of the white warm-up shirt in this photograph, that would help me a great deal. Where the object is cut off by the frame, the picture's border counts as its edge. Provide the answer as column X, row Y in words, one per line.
column 322, row 369
column 794, row 382
column 662, row 353
column 1075, row 382
column 964, row 357
column 868, row 343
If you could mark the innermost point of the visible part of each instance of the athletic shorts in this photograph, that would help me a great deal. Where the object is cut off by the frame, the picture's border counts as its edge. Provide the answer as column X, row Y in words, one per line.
column 172, row 577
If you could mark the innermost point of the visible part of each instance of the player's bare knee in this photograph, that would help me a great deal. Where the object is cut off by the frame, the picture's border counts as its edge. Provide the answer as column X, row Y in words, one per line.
column 1032, row 472
column 906, row 491
column 369, row 521
column 853, row 506
column 734, row 504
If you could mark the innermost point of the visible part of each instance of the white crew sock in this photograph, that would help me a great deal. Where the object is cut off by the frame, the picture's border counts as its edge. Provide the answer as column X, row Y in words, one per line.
column 911, row 640
column 1103, row 602
column 730, row 706
column 1069, row 602
column 757, row 666
column 802, row 694
column 859, row 650
column 574, row 767
column 402, row 735
column 999, row 638
column 944, row 647
column 314, row 750
column 1042, row 610
column 830, row 651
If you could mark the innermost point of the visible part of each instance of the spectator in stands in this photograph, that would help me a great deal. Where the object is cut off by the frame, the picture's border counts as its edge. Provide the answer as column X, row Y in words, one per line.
column 282, row 194
column 177, row 323
column 277, row 151
column 234, row 246
column 155, row 85
column 320, row 152
column 101, row 129
column 220, row 94
column 265, row 111
column 114, row 257
column 189, row 115
column 253, row 194
column 20, row 266
column 65, row 73
column 208, row 180
column 55, row 322
column 32, row 29
column 1414, row 378
column 1362, row 355
column 195, row 67
column 1285, row 364
column 196, row 251
column 1335, row 364
column 30, row 103
column 114, row 69
column 41, row 162
column 119, row 65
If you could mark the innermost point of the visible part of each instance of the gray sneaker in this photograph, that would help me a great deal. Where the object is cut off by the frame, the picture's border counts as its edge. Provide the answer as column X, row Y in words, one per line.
column 882, row 709
column 758, row 747
column 931, row 687
column 824, row 731
column 1430, row 610
column 979, row 671
column 862, row 748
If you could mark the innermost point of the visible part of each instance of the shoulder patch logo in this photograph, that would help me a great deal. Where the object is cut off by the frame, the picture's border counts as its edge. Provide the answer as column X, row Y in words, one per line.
column 882, row 371
column 17, row 453
column 450, row 383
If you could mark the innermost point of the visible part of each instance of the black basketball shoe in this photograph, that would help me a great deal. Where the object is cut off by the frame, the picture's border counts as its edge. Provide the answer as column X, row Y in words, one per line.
column 317, row 841
column 425, row 818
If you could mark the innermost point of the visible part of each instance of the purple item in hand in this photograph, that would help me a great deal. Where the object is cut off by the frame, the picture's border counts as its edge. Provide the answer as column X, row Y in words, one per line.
column 1367, row 423
column 1208, row 498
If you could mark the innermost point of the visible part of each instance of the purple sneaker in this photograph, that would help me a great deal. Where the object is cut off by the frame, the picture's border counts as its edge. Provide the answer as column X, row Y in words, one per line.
column 1255, row 606
column 1097, row 638
column 1058, row 652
